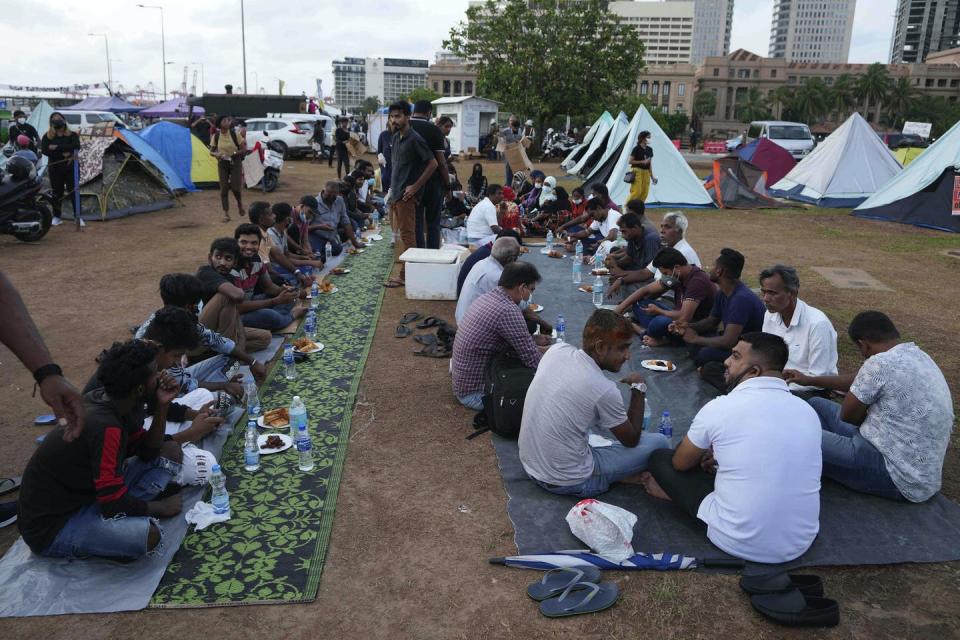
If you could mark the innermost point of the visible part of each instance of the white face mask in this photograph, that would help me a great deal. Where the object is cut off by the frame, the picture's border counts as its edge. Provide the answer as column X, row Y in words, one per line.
column 21, row 120
column 538, row 185
column 371, row 181
column 577, row 200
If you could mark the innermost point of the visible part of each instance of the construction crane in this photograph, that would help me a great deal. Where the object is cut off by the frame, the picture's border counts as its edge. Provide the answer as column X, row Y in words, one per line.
column 193, row 87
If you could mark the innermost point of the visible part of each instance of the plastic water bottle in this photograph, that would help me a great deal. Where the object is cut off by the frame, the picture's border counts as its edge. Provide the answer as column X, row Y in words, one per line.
column 579, row 251
column 376, row 219
column 598, row 258
column 577, row 271
column 314, row 295
column 289, row 366
column 549, row 240
column 219, row 497
column 463, row 235
column 561, row 328
column 598, row 292
column 304, row 448
column 253, row 398
column 298, row 416
column 310, row 324
column 251, row 450
column 647, row 416
column 666, row 426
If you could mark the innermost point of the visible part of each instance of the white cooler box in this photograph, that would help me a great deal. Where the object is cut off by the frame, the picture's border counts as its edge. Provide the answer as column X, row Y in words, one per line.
column 432, row 273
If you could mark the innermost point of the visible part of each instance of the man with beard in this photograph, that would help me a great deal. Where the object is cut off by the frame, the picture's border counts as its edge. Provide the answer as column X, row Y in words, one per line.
column 329, row 221
column 749, row 467
column 266, row 305
column 431, row 200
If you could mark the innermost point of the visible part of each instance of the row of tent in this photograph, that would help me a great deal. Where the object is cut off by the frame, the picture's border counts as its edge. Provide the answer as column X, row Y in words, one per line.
column 173, row 108
column 851, row 168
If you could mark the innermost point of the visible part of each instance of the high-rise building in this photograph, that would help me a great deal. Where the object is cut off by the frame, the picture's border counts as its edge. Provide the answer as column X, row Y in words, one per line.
column 666, row 28
column 712, row 24
column 811, row 30
column 386, row 79
column 923, row 27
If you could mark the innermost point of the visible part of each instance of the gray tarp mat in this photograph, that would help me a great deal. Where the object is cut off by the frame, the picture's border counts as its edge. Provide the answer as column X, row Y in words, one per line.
column 854, row 528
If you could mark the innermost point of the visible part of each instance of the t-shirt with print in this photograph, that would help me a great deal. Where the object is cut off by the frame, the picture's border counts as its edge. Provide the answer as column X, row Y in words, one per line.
column 699, row 288
column 910, row 416
column 211, row 279
column 742, row 307
column 247, row 276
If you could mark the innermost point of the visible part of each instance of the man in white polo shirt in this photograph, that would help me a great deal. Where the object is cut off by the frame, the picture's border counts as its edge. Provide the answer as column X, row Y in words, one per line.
column 808, row 332
column 482, row 224
column 750, row 464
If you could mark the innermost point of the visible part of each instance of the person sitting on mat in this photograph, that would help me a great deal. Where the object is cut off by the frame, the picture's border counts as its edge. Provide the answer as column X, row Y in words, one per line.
column 643, row 243
column 266, row 305
column 693, row 292
column 806, row 330
column 493, row 324
column 749, row 467
column 485, row 276
column 735, row 306
column 99, row 494
column 673, row 228
column 603, row 227
column 482, row 223
column 569, row 397
column 890, row 435
column 480, row 254
column 286, row 263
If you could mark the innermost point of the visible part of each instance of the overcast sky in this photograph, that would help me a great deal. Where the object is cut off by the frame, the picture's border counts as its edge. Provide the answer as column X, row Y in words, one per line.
column 294, row 40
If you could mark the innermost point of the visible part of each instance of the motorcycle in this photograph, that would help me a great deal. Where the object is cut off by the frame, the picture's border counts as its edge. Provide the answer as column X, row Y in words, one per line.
column 26, row 212
column 557, row 144
column 272, row 164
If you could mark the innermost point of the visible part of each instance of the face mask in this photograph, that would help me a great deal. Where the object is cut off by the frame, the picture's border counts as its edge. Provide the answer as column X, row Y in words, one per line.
column 539, row 185
column 577, row 200
column 670, row 282
column 21, row 120
column 371, row 181
column 59, row 124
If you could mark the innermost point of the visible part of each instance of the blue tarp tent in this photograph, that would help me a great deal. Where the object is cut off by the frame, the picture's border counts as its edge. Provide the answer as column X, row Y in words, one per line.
column 184, row 152
column 151, row 155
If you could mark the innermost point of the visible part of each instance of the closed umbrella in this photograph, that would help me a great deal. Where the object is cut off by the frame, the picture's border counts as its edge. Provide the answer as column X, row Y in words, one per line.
column 578, row 558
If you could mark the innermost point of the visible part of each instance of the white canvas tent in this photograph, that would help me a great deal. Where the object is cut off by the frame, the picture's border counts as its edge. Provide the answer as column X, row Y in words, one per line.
column 471, row 117
column 40, row 116
column 600, row 137
column 376, row 124
column 843, row 171
column 614, row 145
column 678, row 185
column 576, row 153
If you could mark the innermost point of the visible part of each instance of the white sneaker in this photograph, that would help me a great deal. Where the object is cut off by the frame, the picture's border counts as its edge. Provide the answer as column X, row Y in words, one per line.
column 56, row 222
column 82, row 222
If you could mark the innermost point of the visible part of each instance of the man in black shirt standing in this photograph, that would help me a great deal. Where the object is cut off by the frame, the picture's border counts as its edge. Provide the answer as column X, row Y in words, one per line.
column 340, row 138
column 428, row 211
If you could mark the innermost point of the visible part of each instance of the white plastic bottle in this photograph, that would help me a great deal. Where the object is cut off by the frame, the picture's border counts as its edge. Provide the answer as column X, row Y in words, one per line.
column 598, row 292
column 298, row 416
column 219, row 497
column 304, row 448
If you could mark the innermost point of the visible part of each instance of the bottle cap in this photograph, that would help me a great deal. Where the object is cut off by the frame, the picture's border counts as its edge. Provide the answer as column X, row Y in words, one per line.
column 301, row 427
column 215, row 468
column 296, row 398
column 666, row 413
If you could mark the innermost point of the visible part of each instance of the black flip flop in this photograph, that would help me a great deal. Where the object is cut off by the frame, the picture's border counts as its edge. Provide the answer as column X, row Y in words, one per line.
column 807, row 584
column 9, row 485
column 581, row 597
column 431, row 321
column 410, row 317
column 402, row 331
column 433, row 351
column 426, row 339
column 556, row 581
column 793, row 609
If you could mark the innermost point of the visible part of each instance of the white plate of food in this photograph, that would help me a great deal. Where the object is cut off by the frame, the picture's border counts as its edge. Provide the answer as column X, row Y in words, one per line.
column 602, row 271
column 274, row 419
column 658, row 365
column 354, row 252
column 307, row 346
column 536, row 308
column 327, row 288
column 374, row 236
column 339, row 271
column 586, row 288
column 273, row 442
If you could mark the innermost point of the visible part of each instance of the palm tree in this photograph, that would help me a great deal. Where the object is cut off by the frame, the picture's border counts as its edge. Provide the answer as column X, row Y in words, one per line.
column 810, row 100
column 842, row 97
column 781, row 100
column 901, row 100
column 752, row 106
column 872, row 87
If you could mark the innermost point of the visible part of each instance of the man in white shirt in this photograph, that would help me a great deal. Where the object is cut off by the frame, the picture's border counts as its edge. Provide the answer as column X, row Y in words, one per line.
column 482, row 224
column 570, row 397
column 808, row 332
column 673, row 229
column 485, row 276
column 749, row 467
column 605, row 226
column 890, row 435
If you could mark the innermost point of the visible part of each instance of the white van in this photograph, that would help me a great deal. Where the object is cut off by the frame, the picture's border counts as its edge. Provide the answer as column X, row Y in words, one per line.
column 84, row 121
column 795, row 137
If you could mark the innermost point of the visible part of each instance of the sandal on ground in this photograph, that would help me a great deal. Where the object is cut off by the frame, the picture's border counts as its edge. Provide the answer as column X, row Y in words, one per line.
column 225, row 219
column 402, row 331
column 426, row 339
column 394, row 283
column 581, row 597
column 410, row 317
column 433, row 351
column 808, row 584
column 794, row 609
column 431, row 321
column 9, row 485
column 556, row 581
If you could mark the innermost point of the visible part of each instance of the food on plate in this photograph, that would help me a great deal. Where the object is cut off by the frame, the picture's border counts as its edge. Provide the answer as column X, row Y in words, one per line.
column 555, row 254
column 325, row 286
column 273, row 442
column 587, row 288
column 339, row 271
column 305, row 344
column 524, row 250
column 603, row 271
column 276, row 417
column 663, row 363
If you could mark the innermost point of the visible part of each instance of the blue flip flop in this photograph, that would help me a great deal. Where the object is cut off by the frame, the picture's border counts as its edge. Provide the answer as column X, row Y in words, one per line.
column 556, row 581
column 582, row 597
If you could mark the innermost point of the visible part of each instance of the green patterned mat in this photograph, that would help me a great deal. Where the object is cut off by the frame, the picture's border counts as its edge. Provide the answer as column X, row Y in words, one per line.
column 272, row 549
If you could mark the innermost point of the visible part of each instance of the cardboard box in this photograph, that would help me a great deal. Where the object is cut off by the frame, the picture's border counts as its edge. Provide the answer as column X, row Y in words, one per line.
column 516, row 155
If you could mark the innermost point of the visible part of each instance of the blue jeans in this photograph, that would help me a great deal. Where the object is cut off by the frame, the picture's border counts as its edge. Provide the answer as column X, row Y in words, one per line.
column 472, row 400
column 287, row 276
column 848, row 458
column 269, row 318
column 612, row 464
column 89, row 533
column 591, row 242
column 210, row 370
column 319, row 242
column 644, row 319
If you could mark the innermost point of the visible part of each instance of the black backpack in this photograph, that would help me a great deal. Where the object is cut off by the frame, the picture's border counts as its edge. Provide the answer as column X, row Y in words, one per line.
column 504, row 392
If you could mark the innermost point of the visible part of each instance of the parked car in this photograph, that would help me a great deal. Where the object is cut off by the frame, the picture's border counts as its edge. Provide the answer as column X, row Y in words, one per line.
column 293, row 136
column 795, row 137
column 329, row 124
column 897, row 140
column 84, row 121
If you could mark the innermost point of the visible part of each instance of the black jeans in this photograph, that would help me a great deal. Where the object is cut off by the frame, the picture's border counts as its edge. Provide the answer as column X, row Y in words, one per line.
column 61, row 181
column 428, row 217
column 687, row 489
column 343, row 162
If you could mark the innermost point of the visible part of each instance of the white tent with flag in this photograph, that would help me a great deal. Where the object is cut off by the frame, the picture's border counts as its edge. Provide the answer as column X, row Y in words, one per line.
column 844, row 170
column 577, row 152
column 614, row 144
column 599, row 138
column 678, row 185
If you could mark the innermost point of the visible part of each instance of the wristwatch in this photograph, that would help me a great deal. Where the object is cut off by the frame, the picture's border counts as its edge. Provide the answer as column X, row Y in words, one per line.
column 639, row 386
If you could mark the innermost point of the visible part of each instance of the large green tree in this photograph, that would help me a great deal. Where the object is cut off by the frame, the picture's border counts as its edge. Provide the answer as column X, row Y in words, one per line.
column 752, row 106
column 842, row 97
column 809, row 102
column 549, row 59
column 422, row 93
column 900, row 101
column 704, row 105
column 872, row 89
column 781, row 101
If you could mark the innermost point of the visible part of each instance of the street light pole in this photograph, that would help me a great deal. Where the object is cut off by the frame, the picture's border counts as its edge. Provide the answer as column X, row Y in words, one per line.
column 163, row 44
column 243, row 41
column 106, row 43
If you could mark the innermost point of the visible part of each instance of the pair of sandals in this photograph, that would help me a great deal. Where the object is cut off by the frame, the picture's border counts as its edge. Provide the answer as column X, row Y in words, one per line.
column 571, row 591
column 791, row 599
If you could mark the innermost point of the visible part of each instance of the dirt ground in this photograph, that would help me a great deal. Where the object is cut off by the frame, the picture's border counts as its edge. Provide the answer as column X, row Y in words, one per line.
column 420, row 509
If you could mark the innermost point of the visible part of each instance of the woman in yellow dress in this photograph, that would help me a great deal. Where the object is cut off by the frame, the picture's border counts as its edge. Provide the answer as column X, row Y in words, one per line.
column 641, row 160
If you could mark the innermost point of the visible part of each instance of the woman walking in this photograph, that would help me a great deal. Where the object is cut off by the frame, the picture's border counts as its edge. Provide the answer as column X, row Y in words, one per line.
column 228, row 146
column 641, row 159
column 60, row 144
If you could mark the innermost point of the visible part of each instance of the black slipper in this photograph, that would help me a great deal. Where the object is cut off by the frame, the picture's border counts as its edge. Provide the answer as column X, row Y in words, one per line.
column 9, row 485
column 402, row 331
column 582, row 597
column 794, row 609
column 431, row 321
column 556, row 581
column 808, row 584
column 433, row 351
column 426, row 339
column 410, row 317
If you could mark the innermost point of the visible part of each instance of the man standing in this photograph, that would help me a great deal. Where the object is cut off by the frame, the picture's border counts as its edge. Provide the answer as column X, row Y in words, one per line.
column 428, row 209
column 265, row 305
column 570, row 397
column 510, row 134
column 749, row 467
column 413, row 164
column 340, row 137
column 482, row 223
column 890, row 435
column 808, row 332
column 485, row 275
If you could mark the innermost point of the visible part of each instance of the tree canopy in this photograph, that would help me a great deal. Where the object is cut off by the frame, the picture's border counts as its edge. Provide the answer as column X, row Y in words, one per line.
column 549, row 59
column 422, row 93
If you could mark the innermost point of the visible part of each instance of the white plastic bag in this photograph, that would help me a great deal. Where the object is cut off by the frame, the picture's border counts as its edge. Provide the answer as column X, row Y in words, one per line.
column 607, row 530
